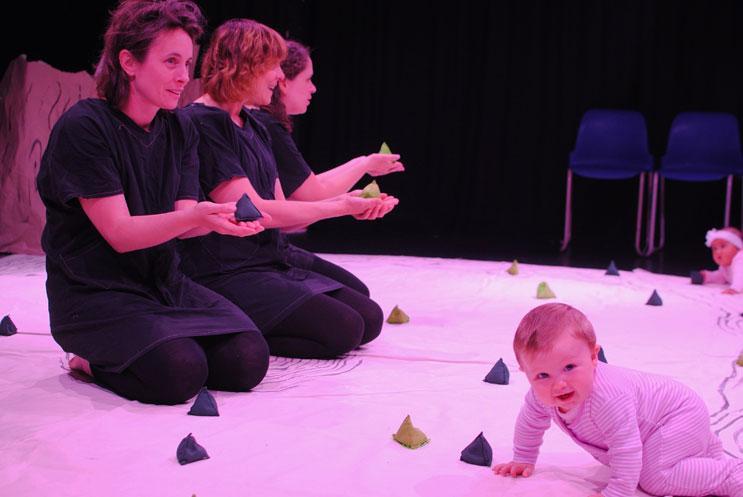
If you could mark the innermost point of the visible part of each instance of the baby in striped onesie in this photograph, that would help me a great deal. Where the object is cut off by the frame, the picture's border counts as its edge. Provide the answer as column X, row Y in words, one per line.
column 651, row 431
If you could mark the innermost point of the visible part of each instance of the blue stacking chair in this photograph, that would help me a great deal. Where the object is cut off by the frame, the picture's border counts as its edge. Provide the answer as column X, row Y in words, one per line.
column 613, row 145
column 702, row 146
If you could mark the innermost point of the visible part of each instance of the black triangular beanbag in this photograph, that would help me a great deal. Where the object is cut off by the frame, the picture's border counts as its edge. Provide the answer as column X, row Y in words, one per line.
column 654, row 299
column 189, row 451
column 478, row 452
column 204, row 405
column 602, row 357
column 246, row 210
column 499, row 374
column 7, row 327
column 612, row 270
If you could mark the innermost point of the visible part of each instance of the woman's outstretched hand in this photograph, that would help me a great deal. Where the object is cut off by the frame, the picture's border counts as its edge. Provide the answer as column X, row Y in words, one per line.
column 381, row 206
column 353, row 204
column 381, row 164
column 388, row 202
column 220, row 218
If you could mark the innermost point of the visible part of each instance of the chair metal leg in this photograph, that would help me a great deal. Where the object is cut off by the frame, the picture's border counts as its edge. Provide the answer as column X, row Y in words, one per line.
column 638, row 223
column 728, row 198
column 650, row 232
column 662, row 200
column 568, row 213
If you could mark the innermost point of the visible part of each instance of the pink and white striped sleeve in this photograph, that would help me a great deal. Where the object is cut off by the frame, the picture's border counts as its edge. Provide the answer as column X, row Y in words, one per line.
column 532, row 422
column 616, row 419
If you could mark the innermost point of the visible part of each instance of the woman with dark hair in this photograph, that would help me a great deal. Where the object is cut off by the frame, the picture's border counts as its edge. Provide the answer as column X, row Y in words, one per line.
column 291, row 97
column 119, row 179
column 300, row 312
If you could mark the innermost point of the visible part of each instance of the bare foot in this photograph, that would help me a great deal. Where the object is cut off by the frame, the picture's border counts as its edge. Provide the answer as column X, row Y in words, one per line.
column 79, row 364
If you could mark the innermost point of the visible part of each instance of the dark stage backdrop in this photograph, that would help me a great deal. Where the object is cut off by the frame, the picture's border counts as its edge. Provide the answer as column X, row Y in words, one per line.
column 482, row 98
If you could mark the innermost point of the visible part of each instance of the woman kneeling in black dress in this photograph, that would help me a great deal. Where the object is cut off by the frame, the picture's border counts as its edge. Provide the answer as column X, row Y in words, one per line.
column 291, row 97
column 119, row 180
column 301, row 313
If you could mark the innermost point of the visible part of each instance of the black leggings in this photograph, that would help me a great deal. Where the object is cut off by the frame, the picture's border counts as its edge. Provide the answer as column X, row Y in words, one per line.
column 327, row 325
column 337, row 273
column 175, row 371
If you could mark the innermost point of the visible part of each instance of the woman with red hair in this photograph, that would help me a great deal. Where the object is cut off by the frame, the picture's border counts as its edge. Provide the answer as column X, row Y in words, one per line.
column 301, row 313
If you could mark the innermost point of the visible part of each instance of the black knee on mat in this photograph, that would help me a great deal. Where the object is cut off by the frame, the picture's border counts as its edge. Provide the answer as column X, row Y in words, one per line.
column 348, row 331
column 373, row 321
column 370, row 312
column 181, row 372
column 238, row 363
column 323, row 327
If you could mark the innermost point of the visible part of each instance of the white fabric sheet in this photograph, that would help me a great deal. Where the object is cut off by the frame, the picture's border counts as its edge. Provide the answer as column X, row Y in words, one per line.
column 323, row 428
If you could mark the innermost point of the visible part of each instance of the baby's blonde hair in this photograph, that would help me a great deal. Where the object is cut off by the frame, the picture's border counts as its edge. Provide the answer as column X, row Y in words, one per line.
column 541, row 326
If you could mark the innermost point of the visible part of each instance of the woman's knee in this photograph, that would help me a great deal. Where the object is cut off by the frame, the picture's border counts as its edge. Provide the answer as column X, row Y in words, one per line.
column 321, row 328
column 181, row 370
column 348, row 333
column 241, row 363
column 370, row 312
column 373, row 321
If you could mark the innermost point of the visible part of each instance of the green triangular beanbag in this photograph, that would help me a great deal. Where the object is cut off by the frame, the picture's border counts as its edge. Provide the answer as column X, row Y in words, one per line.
column 371, row 190
column 398, row 316
column 410, row 436
column 514, row 269
column 385, row 149
column 545, row 292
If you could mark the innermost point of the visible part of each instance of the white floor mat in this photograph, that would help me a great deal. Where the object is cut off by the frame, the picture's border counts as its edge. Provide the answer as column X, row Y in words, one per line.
column 323, row 428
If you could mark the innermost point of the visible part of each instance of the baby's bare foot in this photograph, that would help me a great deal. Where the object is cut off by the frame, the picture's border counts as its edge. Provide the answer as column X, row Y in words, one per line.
column 79, row 364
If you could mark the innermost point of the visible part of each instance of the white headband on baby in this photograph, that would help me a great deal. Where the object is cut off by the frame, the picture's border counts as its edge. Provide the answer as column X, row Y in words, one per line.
column 728, row 236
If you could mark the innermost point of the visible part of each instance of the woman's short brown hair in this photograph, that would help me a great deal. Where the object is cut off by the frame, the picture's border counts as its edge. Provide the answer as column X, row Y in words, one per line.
column 134, row 25
column 240, row 49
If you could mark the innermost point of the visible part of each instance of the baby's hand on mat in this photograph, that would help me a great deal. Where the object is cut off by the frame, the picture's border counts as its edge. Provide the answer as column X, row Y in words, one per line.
column 729, row 291
column 513, row 469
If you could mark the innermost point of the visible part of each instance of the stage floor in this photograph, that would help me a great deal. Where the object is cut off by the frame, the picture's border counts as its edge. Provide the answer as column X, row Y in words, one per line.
column 323, row 428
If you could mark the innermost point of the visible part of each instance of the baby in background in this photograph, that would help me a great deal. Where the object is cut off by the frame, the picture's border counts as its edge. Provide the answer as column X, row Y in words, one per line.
column 650, row 430
column 726, row 245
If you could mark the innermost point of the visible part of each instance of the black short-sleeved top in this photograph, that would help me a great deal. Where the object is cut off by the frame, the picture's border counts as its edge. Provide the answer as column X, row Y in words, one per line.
column 293, row 170
column 259, row 273
column 106, row 307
